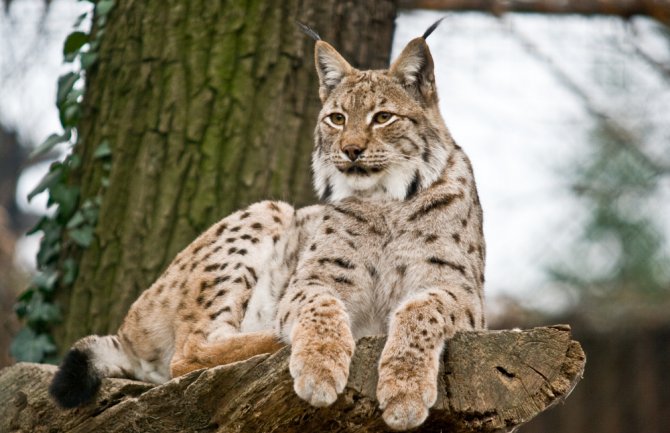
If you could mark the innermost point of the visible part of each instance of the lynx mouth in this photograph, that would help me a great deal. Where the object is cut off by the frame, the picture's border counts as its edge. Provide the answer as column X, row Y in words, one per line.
column 357, row 170
column 360, row 170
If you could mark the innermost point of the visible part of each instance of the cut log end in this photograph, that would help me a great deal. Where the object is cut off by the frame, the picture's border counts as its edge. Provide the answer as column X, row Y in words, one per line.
column 490, row 381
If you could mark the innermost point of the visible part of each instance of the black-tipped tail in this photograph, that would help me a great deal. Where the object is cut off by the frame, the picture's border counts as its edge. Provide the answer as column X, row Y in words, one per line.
column 76, row 381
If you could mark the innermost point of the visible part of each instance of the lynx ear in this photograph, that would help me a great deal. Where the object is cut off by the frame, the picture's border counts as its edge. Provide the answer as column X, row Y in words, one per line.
column 415, row 71
column 330, row 66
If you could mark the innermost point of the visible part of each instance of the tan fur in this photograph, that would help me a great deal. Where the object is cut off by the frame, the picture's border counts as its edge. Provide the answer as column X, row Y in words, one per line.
column 397, row 249
column 234, row 348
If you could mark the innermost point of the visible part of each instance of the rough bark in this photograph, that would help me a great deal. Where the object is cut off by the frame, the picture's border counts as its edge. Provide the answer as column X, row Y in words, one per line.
column 489, row 382
column 207, row 106
column 658, row 9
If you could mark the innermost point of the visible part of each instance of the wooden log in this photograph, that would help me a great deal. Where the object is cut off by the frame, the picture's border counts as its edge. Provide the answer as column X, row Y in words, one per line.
column 658, row 9
column 489, row 382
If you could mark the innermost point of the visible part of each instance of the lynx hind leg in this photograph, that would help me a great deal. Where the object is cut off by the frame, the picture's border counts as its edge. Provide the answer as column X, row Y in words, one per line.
column 221, row 270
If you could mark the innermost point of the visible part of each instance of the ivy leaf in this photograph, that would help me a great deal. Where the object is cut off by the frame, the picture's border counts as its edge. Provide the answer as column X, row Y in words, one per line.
column 80, row 19
column 50, row 142
column 88, row 59
column 26, row 295
column 48, row 253
column 52, row 232
column 101, row 21
column 20, row 307
column 95, row 43
column 66, row 197
column 73, row 96
column 50, row 243
column 70, row 271
column 69, row 58
column 74, row 42
column 90, row 210
column 31, row 347
column 65, row 84
column 103, row 7
column 40, row 311
column 76, row 220
column 103, row 150
column 46, row 281
column 53, row 177
column 83, row 236
column 70, row 115
column 73, row 161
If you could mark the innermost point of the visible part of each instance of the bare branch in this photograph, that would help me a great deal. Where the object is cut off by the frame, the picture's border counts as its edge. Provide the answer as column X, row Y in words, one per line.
column 626, row 138
column 658, row 9
column 661, row 67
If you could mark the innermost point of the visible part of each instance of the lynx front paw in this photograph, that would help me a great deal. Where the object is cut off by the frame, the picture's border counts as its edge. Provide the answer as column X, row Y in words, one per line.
column 405, row 392
column 320, row 366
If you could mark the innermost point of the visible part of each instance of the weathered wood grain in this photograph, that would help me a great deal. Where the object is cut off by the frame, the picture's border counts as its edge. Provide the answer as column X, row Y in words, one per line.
column 490, row 382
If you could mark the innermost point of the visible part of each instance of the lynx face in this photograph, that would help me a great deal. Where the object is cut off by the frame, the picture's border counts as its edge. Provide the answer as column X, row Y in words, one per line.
column 379, row 134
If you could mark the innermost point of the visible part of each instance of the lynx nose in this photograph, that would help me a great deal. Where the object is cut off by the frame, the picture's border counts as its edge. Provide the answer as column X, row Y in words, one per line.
column 353, row 151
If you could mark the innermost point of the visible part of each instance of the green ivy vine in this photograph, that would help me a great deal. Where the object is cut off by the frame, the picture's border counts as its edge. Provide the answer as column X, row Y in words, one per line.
column 70, row 226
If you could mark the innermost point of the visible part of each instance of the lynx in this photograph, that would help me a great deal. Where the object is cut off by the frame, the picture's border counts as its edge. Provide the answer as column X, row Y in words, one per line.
column 396, row 248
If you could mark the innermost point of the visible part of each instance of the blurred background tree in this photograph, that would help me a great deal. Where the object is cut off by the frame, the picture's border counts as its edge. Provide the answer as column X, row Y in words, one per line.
column 621, row 255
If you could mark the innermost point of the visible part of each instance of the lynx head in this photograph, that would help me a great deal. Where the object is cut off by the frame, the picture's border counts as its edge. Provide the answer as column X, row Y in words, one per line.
column 379, row 134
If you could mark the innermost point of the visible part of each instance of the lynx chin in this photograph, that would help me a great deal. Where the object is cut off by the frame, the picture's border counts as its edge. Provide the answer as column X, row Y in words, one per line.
column 396, row 248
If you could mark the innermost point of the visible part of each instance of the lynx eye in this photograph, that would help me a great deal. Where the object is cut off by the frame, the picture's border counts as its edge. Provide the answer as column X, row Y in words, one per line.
column 337, row 119
column 382, row 117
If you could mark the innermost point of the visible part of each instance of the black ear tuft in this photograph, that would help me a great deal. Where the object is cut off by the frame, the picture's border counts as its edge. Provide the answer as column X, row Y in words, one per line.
column 308, row 31
column 432, row 28
column 76, row 381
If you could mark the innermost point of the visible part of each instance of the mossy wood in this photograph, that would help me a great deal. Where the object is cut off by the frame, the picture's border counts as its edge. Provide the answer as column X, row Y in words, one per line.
column 206, row 107
column 489, row 382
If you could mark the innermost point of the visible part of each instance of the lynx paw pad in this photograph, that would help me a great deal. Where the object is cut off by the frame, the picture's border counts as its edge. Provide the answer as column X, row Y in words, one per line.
column 405, row 394
column 405, row 412
column 320, row 370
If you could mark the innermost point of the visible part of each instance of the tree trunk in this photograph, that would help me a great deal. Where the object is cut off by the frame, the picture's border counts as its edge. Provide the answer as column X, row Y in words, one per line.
column 12, row 159
column 488, row 382
column 206, row 107
column 12, row 224
column 658, row 9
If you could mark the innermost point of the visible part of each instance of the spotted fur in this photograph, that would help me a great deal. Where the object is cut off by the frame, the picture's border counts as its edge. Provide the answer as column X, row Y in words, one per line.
column 397, row 249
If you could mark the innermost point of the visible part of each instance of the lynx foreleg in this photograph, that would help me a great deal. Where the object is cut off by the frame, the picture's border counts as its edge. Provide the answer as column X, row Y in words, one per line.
column 317, row 325
column 409, row 363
